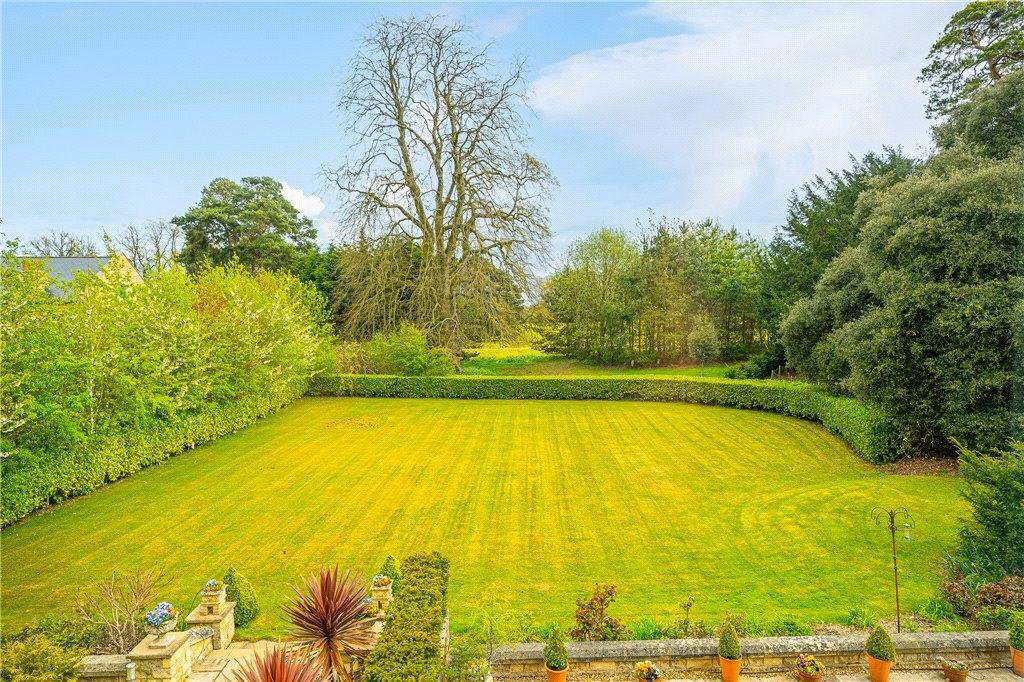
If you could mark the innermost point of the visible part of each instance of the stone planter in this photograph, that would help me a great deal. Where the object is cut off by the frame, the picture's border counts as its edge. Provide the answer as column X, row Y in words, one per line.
column 214, row 596
column 160, row 632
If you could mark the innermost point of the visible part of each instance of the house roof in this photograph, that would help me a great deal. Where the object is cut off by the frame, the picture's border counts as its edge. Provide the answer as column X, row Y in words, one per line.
column 63, row 268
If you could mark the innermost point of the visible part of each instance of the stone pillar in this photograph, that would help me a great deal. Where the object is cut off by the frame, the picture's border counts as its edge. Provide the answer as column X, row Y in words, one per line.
column 169, row 663
column 217, row 613
column 381, row 594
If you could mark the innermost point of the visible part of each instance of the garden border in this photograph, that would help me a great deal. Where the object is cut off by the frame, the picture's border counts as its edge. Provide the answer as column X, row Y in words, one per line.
column 684, row 657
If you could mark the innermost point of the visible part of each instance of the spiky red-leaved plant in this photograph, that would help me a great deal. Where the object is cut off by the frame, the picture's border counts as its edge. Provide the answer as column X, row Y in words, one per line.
column 326, row 620
column 276, row 665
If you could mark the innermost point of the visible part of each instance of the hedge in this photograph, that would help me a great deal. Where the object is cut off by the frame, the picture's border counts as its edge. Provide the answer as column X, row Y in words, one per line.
column 32, row 481
column 410, row 648
column 867, row 429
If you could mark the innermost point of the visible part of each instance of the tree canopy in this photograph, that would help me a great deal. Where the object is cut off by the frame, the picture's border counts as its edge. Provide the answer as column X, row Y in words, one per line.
column 251, row 221
column 444, row 202
column 982, row 44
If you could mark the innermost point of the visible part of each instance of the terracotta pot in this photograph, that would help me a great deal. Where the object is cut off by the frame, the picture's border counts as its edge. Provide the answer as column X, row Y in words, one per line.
column 954, row 675
column 1017, row 661
column 556, row 675
column 878, row 670
column 730, row 668
column 805, row 677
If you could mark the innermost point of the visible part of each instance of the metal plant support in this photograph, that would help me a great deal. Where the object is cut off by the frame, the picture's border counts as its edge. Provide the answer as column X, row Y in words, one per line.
column 878, row 514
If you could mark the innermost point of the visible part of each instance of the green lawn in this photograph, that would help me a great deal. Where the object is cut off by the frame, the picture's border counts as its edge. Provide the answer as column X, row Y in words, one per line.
column 747, row 511
column 527, row 361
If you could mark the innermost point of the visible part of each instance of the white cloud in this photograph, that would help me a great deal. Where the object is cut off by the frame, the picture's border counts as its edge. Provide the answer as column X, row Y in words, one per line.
column 309, row 205
column 504, row 24
column 753, row 100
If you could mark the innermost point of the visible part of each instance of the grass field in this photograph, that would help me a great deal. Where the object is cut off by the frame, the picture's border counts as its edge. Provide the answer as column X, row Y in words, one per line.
column 747, row 511
column 528, row 361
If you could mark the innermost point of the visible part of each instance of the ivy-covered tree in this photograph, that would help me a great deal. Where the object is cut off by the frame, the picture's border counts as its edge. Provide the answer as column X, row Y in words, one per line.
column 982, row 44
column 250, row 221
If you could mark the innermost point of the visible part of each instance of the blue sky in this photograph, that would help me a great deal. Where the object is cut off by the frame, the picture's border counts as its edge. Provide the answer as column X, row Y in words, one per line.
column 121, row 113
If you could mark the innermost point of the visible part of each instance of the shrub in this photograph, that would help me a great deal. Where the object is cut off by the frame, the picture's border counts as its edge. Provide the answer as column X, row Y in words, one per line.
column 879, row 645
column 116, row 609
column 994, row 617
column 327, row 622
column 1017, row 631
column 410, row 646
column 593, row 624
column 859, row 618
column 863, row 426
column 67, row 633
column 38, row 659
column 995, row 491
column 648, row 628
column 391, row 569
column 729, row 643
column 555, row 655
column 404, row 352
column 240, row 591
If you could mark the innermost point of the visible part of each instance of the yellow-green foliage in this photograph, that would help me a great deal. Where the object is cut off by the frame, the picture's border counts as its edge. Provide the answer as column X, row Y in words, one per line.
column 879, row 645
column 535, row 499
column 729, row 643
column 37, row 659
column 240, row 591
column 410, row 646
column 117, row 376
column 864, row 427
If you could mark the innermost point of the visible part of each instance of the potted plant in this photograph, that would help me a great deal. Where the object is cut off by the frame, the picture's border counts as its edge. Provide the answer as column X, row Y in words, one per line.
column 213, row 591
column 955, row 671
column 729, row 654
column 1017, row 643
column 160, row 620
column 809, row 668
column 646, row 671
column 880, row 653
column 556, row 658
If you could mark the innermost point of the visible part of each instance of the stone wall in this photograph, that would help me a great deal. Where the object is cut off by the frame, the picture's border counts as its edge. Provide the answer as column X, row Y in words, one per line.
column 690, row 657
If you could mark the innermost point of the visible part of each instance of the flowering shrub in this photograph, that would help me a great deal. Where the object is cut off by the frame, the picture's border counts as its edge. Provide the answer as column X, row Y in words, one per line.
column 593, row 624
column 381, row 581
column 160, row 614
column 213, row 585
column 647, row 671
column 809, row 665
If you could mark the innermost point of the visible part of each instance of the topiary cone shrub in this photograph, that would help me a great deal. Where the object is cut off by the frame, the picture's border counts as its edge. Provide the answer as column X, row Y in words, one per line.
column 240, row 591
column 730, row 656
column 556, row 658
column 881, row 654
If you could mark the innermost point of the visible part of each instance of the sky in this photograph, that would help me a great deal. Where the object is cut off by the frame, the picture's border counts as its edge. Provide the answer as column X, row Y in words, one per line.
column 121, row 113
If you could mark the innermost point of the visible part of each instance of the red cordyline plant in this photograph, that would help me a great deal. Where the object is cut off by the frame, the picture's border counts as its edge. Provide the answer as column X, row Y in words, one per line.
column 326, row 621
column 277, row 666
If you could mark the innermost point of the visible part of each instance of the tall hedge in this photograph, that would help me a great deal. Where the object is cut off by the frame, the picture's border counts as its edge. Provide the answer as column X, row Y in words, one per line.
column 865, row 427
column 112, row 375
column 410, row 646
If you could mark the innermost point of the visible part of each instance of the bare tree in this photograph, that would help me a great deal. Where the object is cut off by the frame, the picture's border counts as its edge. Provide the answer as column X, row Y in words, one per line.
column 438, row 181
column 117, row 607
column 62, row 244
column 153, row 246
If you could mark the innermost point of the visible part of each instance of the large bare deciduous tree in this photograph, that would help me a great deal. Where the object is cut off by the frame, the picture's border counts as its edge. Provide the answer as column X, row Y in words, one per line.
column 447, row 208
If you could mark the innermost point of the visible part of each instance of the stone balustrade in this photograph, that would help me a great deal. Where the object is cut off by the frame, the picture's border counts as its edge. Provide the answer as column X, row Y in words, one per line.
column 699, row 657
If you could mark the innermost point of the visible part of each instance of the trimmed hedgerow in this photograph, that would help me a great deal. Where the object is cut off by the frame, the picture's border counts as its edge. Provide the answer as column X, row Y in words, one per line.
column 866, row 428
column 410, row 646
column 32, row 481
